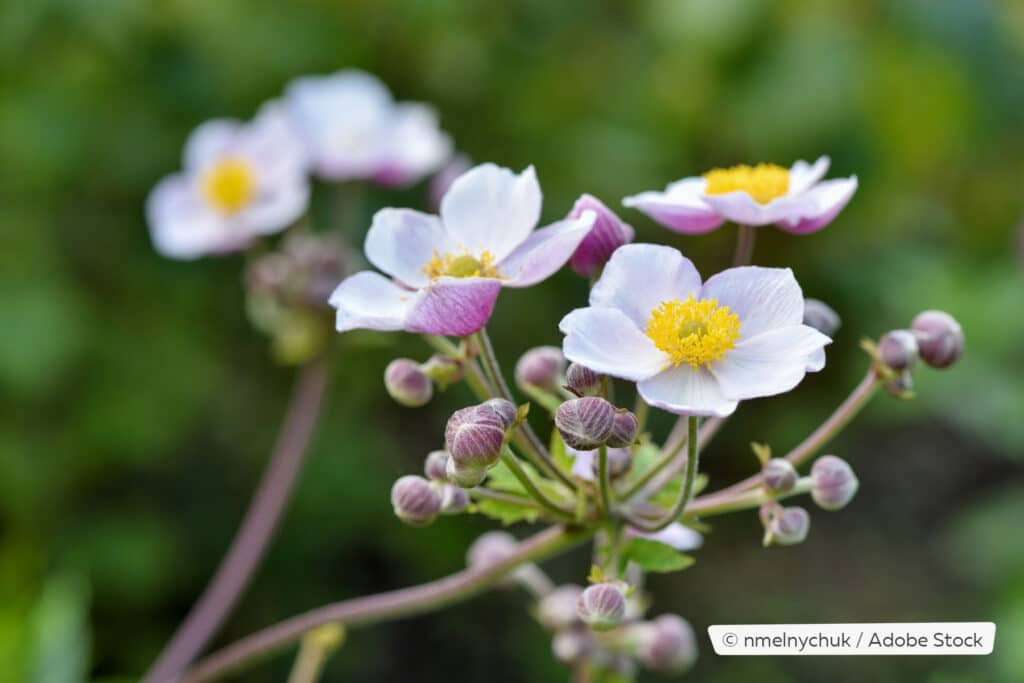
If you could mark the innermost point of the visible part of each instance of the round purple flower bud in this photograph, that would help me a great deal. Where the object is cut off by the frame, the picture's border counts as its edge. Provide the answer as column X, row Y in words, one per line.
column 940, row 339
column 415, row 501
column 833, row 483
column 571, row 646
column 557, row 609
column 443, row 370
column 465, row 476
column 453, row 499
column 602, row 606
column 435, row 465
column 820, row 316
column 898, row 349
column 779, row 475
column 608, row 234
column 585, row 423
column 668, row 644
column 407, row 383
column 505, row 410
column 540, row 367
column 581, row 380
column 490, row 550
column 619, row 462
column 624, row 429
column 789, row 526
column 474, row 437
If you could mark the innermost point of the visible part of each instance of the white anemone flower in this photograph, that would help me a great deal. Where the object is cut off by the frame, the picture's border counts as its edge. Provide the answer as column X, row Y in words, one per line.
column 354, row 129
column 239, row 181
column 693, row 348
column 446, row 271
column 796, row 200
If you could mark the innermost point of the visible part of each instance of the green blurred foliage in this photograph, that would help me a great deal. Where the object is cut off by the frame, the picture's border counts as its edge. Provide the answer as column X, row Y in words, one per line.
column 139, row 405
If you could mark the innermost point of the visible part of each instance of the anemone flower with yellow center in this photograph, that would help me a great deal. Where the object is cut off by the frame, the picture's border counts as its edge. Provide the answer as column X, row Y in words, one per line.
column 446, row 271
column 796, row 199
column 694, row 348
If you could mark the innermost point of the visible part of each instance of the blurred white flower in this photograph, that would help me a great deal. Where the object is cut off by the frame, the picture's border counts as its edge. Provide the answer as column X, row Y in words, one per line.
column 239, row 180
column 353, row 129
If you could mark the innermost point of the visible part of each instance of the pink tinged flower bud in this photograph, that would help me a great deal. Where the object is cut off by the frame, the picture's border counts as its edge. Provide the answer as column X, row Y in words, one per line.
column 571, row 646
column 557, row 609
column 820, row 316
column 779, row 475
column 619, row 462
column 415, row 501
column 602, row 606
column 668, row 645
column 585, row 423
column 898, row 349
column 465, row 476
column 581, row 380
column 506, row 411
column 490, row 550
column 833, row 483
column 624, row 429
column 474, row 437
column 407, row 383
column 789, row 526
column 453, row 499
column 443, row 370
column 435, row 465
column 608, row 234
column 940, row 338
column 540, row 367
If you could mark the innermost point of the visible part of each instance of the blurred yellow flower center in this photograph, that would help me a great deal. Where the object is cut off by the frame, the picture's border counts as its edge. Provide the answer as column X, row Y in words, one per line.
column 763, row 182
column 697, row 332
column 229, row 185
column 462, row 265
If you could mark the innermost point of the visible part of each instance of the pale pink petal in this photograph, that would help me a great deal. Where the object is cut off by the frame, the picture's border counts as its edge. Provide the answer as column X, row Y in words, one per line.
column 402, row 241
column 680, row 207
column 739, row 207
column 209, row 142
column 608, row 234
column 606, row 341
column 638, row 277
column 368, row 300
column 489, row 208
column 183, row 226
column 545, row 251
column 453, row 306
column 274, row 209
column 803, row 175
column 769, row 363
column 763, row 298
column 824, row 201
column 415, row 147
column 684, row 390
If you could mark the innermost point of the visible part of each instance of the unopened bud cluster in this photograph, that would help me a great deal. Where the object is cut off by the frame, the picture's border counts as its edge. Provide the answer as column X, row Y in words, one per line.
column 934, row 337
column 590, row 422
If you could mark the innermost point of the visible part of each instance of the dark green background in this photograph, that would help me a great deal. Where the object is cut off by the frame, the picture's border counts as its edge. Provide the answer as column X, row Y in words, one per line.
column 138, row 405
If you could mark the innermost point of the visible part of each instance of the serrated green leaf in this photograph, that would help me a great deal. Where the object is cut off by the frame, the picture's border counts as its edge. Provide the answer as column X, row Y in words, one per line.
column 506, row 512
column 654, row 556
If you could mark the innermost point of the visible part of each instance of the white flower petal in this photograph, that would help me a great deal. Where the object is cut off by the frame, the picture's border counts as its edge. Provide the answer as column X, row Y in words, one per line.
column 680, row 537
column 638, row 277
column 606, row 341
column 680, row 207
column 182, row 226
column 368, row 300
column 822, row 203
column 415, row 147
column 402, row 241
column 803, row 175
column 684, row 390
column 763, row 298
column 209, row 142
column 739, row 207
column 489, row 208
column 815, row 361
column 582, row 463
column 770, row 363
column 545, row 251
column 274, row 209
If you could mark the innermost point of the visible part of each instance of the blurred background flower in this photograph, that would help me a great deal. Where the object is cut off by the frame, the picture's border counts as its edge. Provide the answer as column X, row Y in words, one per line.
column 139, row 407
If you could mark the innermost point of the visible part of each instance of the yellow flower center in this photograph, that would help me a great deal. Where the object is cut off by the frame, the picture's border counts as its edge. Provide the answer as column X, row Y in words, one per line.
column 763, row 182
column 697, row 332
column 229, row 185
column 461, row 265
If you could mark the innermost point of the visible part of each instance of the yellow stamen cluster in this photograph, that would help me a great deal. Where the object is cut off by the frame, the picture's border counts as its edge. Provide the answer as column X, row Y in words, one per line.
column 461, row 265
column 763, row 182
column 697, row 332
column 230, row 185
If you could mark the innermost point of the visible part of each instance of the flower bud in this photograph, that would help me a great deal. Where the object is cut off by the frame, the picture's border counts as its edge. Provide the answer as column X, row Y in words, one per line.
column 464, row 476
column 557, row 609
column 608, row 234
column 443, row 370
column 435, row 464
column 453, row 499
column 415, row 501
column 570, row 646
column 506, row 411
column 898, row 349
column 407, row 383
column 585, row 423
column 581, row 380
column 820, row 316
column 789, row 526
column 490, row 550
column 602, row 606
column 474, row 437
column 624, row 429
column 540, row 367
column 779, row 475
column 833, row 483
column 940, row 338
column 619, row 462
column 667, row 644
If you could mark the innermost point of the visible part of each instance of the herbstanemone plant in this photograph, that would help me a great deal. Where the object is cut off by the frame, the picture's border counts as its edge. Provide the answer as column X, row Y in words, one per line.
column 693, row 347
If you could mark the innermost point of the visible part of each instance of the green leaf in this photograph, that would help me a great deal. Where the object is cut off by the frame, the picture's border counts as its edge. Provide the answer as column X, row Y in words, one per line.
column 558, row 452
column 653, row 556
column 644, row 457
column 505, row 512
column 501, row 478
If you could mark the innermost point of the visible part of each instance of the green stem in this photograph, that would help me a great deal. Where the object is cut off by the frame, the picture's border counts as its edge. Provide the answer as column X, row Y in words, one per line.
column 640, row 409
column 745, row 238
column 692, row 465
column 603, row 483
column 502, row 497
column 512, row 463
column 317, row 646
column 652, row 471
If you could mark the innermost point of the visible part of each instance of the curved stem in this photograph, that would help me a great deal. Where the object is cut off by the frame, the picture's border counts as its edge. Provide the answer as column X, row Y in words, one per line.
column 745, row 237
column 254, row 534
column 692, row 464
column 373, row 609
column 517, row 470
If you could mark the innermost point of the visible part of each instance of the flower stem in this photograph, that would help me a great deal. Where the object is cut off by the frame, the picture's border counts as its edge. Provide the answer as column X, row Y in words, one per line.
column 745, row 237
column 705, row 506
column 603, row 483
column 317, row 646
column 692, row 465
column 254, row 534
column 373, row 609
column 512, row 463
column 502, row 497
column 707, row 431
